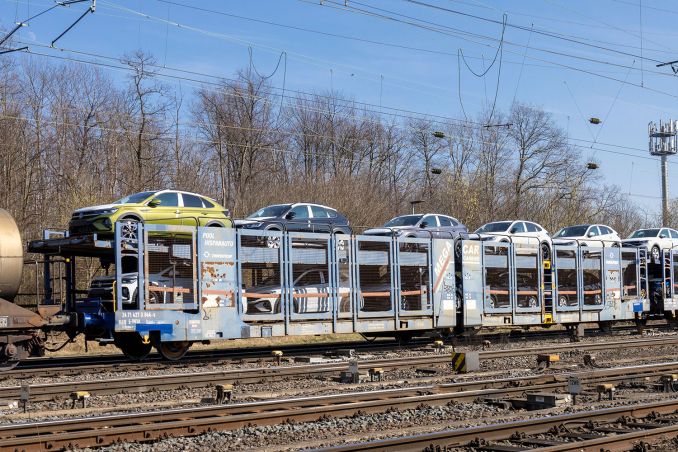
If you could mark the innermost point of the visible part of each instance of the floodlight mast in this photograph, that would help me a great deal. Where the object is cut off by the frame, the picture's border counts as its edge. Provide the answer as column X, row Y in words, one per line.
column 662, row 143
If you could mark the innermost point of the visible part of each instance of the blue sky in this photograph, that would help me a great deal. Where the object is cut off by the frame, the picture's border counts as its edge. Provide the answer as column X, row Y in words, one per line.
column 576, row 58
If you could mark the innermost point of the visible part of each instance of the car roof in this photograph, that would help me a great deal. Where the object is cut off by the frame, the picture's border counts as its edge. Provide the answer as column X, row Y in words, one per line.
column 169, row 190
column 307, row 204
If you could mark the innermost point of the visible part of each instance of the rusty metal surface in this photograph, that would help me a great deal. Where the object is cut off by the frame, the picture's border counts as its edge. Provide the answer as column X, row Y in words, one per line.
column 11, row 256
column 14, row 317
column 149, row 426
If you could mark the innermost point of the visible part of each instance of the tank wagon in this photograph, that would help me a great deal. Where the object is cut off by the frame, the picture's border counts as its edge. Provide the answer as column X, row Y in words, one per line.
column 178, row 285
column 20, row 328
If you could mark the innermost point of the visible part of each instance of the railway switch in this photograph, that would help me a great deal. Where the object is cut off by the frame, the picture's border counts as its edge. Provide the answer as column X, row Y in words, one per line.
column 606, row 388
column 224, row 392
column 79, row 396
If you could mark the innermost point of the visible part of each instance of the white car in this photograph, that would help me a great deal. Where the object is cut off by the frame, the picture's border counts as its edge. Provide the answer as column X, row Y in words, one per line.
column 654, row 240
column 519, row 232
column 178, row 276
column 311, row 294
column 587, row 235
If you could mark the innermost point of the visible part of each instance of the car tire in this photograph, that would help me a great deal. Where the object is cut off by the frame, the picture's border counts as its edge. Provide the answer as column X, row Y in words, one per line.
column 273, row 242
column 545, row 251
column 655, row 254
column 129, row 227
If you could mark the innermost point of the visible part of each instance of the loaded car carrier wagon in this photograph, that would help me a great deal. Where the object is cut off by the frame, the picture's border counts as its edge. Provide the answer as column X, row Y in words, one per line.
column 177, row 285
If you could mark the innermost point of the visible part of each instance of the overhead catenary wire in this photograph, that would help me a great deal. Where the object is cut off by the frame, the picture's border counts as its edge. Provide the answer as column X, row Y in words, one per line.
column 435, row 118
column 561, row 65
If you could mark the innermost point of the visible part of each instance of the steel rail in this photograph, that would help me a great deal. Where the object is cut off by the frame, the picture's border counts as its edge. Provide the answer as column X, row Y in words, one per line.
column 64, row 366
column 139, row 384
column 461, row 437
column 149, row 426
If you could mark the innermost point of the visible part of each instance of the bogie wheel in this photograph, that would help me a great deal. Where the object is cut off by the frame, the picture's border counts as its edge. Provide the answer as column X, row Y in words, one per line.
column 132, row 346
column 173, row 351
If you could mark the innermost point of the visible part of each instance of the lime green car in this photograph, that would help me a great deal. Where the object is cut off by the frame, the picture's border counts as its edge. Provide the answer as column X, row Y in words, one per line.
column 160, row 206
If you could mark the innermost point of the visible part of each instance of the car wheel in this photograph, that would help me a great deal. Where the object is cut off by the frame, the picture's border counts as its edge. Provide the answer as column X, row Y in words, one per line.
column 545, row 251
column 562, row 301
column 214, row 224
column 273, row 242
column 532, row 301
column 493, row 302
column 655, row 253
column 341, row 242
column 597, row 299
column 129, row 227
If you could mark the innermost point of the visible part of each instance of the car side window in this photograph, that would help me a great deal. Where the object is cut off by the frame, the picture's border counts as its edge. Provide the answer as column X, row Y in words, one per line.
column 444, row 221
column 312, row 277
column 299, row 213
column 429, row 221
column 531, row 227
column 168, row 199
column 207, row 204
column 593, row 230
column 665, row 233
column 674, row 234
column 191, row 200
column 518, row 227
column 604, row 230
column 319, row 212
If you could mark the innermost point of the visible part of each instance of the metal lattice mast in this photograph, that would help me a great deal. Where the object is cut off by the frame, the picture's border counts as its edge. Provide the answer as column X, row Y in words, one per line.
column 662, row 143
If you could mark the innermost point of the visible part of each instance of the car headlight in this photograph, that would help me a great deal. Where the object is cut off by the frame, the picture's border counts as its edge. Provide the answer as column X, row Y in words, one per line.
column 398, row 232
column 110, row 211
column 252, row 225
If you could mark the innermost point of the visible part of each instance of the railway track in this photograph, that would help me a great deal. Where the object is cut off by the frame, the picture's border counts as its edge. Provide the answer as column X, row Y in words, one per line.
column 75, row 365
column 151, row 426
column 610, row 429
column 41, row 392
column 136, row 384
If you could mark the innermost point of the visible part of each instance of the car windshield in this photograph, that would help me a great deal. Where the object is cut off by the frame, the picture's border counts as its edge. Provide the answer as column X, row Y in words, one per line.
column 640, row 233
column 270, row 211
column 405, row 220
column 572, row 231
column 135, row 198
column 499, row 226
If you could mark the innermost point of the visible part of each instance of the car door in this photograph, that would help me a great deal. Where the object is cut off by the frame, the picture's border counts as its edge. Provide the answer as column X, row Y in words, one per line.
column 307, row 286
column 320, row 221
column 298, row 219
column 192, row 212
column 593, row 236
column 428, row 226
column 519, row 233
column 445, row 231
column 665, row 239
column 674, row 237
column 167, row 212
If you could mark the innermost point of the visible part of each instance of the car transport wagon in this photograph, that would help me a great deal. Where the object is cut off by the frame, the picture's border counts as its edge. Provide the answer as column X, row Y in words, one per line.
column 176, row 285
